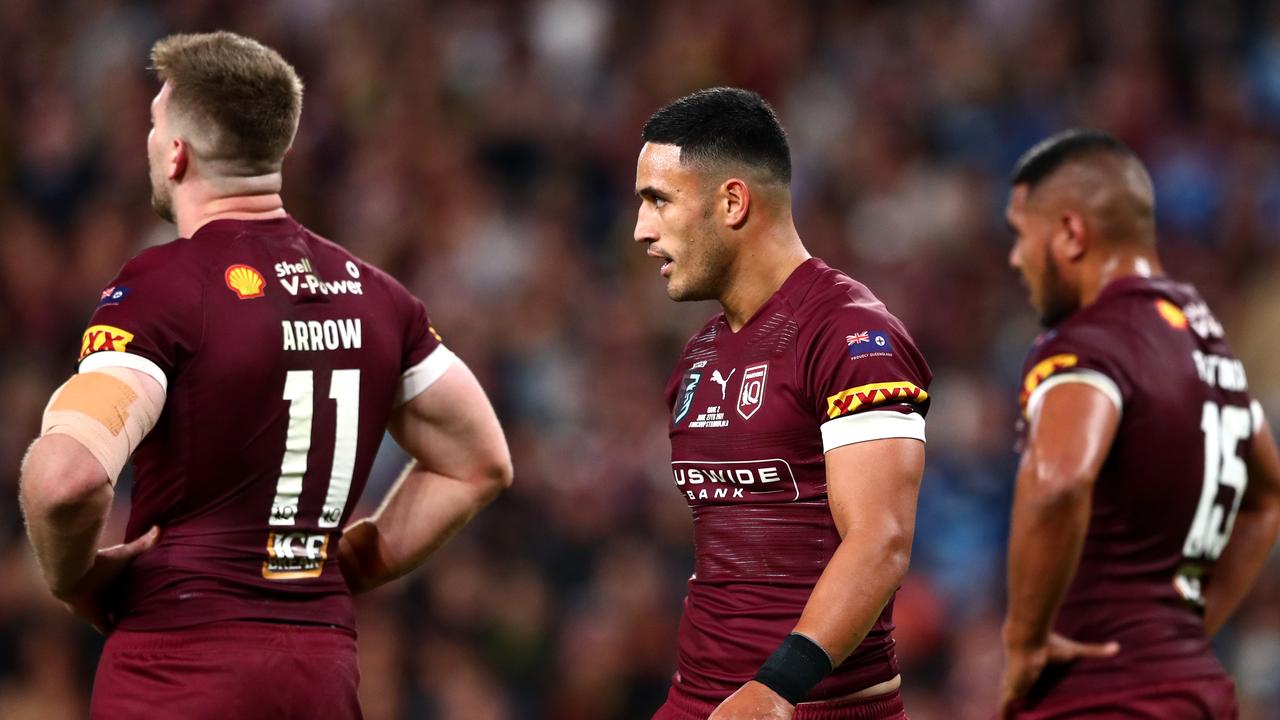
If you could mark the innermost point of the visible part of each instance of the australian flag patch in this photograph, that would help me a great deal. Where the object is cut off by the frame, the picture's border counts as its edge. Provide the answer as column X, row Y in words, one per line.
column 869, row 343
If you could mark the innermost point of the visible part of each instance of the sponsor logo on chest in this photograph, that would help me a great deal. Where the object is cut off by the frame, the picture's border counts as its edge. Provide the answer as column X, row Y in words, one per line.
column 768, row 480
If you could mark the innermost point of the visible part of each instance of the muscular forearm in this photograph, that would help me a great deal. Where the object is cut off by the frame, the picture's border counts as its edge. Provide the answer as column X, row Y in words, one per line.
column 852, row 591
column 1046, row 538
column 1252, row 539
column 65, row 499
column 422, row 511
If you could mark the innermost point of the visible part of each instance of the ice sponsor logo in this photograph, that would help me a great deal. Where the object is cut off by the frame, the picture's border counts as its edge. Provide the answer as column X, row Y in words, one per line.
column 684, row 399
column 100, row 338
column 868, row 343
column 295, row 555
column 751, row 395
column 301, row 277
column 856, row 398
column 769, row 480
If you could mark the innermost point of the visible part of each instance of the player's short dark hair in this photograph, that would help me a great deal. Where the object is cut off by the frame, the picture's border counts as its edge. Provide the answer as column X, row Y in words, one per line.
column 1053, row 152
column 724, row 124
column 242, row 97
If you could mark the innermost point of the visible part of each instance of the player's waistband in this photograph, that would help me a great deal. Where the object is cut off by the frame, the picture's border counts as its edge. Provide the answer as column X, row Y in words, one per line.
column 296, row 638
column 879, row 707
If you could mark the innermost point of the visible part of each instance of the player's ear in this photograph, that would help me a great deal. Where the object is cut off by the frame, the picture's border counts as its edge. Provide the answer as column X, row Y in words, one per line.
column 1074, row 236
column 735, row 202
column 179, row 157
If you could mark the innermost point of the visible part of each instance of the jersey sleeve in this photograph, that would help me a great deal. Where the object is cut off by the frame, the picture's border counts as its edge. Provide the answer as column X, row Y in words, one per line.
column 866, row 379
column 149, row 319
column 424, row 358
column 1076, row 355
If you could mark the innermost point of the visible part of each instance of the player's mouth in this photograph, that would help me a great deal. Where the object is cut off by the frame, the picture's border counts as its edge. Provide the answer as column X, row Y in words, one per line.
column 665, row 270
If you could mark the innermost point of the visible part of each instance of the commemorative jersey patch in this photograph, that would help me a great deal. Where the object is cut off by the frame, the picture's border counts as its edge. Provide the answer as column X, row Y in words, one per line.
column 684, row 400
column 856, row 398
column 245, row 281
column 869, row 343
column 99, row 338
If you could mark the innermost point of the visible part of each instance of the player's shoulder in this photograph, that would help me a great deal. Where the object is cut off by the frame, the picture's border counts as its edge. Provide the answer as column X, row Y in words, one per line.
column 1129, row 313
column 824, row 299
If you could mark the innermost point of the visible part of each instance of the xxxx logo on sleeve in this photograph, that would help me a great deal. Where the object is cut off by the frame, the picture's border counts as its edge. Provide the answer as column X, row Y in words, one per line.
column 1042, row 371
column 104, row 337
column 856, row 398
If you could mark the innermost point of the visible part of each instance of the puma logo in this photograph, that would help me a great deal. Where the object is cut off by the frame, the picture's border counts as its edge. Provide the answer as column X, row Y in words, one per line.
column 723, row 382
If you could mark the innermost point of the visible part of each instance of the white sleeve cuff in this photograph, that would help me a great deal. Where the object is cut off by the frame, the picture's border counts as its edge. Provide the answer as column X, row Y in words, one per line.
column 871, row 425
column 1255, row 408
column 423, row 375
column 1089, row 377
column 115, row 358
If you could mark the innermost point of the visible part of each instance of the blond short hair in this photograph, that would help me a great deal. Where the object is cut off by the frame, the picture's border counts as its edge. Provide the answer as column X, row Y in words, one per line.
column 239, row 99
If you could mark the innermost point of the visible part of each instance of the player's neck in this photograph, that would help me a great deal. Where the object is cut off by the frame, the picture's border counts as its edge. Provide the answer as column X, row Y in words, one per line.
column 251, row 198
column 1117, row 265
column 758, row 273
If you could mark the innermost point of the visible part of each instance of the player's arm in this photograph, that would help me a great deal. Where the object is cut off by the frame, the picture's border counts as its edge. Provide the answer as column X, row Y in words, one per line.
column 91, row 426
column 460, row 463
column 871, row 488
column 1070, row 434
column 1254, row 533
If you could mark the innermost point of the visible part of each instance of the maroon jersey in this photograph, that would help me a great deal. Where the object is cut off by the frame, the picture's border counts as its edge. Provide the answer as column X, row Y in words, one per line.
column 1167, row 495
column 282, row 356
column 822, row 364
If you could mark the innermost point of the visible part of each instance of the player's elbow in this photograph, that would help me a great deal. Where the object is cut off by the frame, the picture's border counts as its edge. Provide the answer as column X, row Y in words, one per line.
column 1059, row 483
column 493, row 476
column 56, row 484
column 896, row 549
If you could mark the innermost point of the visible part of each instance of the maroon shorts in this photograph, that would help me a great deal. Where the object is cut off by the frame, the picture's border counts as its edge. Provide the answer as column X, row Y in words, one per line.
column 236, row 670
column 1211, row 698
column 878, row 707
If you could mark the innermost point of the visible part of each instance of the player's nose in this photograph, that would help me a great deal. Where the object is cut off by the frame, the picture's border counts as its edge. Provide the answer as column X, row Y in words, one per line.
column 646, row 229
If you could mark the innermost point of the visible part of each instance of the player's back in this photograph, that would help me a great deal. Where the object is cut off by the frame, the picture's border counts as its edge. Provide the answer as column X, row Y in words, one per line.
column 1166, row 497
column 283, row 357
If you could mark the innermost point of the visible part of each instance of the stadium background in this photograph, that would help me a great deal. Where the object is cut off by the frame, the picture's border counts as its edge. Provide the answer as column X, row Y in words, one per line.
column 484, row 152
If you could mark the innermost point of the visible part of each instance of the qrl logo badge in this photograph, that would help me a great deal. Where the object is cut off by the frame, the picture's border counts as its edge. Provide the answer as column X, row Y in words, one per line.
column 751, row 396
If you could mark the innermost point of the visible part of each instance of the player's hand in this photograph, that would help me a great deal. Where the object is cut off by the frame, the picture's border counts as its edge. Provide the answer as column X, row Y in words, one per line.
column 1023, row 665
column 88, row 598
column 754, row 701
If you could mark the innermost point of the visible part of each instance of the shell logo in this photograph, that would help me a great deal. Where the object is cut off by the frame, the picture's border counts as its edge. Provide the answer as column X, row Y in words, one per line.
column 245, row 281
column 1172, row 314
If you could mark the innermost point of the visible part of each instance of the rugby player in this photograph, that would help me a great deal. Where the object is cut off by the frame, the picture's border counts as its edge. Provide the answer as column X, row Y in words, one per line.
column 1148, row 496
column 249, row 368
column 797, row 432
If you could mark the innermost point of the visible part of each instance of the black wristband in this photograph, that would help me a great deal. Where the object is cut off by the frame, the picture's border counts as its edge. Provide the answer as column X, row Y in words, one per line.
column 794, row 668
